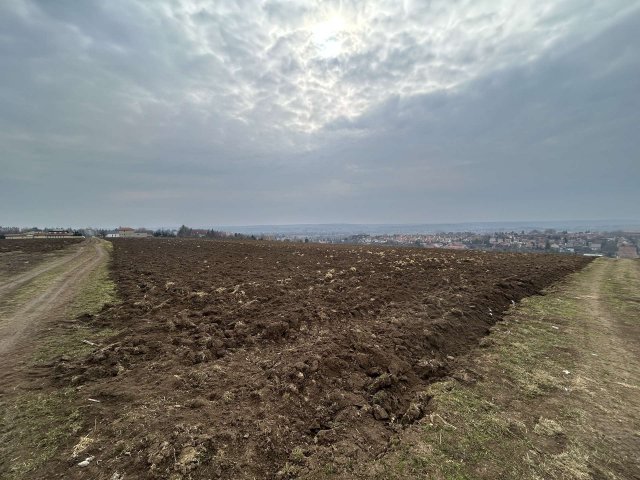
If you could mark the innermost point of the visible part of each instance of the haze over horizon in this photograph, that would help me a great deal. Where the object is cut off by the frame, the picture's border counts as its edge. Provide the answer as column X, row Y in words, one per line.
column 290, row 112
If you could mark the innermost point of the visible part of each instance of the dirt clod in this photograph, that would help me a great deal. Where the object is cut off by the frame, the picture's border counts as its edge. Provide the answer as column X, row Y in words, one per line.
column 380, row 413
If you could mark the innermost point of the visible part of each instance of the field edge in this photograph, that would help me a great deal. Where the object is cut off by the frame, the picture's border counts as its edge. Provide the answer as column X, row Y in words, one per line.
column 38, row 422
column 525, row 405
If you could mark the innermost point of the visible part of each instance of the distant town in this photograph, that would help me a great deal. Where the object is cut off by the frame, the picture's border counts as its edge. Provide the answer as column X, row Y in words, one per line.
column 610, row 244
column 615, row 244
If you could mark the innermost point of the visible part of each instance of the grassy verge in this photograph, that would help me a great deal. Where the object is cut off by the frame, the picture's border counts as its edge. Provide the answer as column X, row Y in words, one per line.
column 32, row 427
column 35, row 424
column 534, row 402
column 97, row 291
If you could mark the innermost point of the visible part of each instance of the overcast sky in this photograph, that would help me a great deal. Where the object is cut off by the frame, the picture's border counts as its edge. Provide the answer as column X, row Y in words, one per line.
column 272, row 112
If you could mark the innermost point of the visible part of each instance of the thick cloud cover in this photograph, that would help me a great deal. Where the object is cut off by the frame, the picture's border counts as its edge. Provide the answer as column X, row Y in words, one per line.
column 239, row 112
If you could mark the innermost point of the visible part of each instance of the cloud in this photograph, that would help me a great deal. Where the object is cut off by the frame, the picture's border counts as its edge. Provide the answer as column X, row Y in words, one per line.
column 351, row 110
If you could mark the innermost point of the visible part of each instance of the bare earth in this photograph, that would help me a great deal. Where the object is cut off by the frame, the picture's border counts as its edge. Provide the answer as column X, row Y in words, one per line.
column 275, row 360
column 28, row 307
column 554, row 392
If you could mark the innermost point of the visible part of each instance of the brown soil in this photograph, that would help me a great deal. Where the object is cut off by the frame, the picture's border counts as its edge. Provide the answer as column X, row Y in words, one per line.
column 265, row 360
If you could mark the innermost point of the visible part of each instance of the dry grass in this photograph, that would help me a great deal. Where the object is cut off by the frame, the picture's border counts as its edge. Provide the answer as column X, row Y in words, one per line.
column 32, row 427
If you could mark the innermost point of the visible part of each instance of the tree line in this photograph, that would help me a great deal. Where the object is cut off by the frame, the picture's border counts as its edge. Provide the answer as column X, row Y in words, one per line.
column 187, row 232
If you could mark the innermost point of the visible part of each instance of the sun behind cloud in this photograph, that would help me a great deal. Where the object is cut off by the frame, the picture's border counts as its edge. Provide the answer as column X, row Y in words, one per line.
column 328, row 36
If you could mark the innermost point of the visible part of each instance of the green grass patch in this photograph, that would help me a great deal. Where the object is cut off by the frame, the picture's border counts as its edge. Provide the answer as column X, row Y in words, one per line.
column 98, row 290
column 70, row 344
column 622, row 291
column 32, row 427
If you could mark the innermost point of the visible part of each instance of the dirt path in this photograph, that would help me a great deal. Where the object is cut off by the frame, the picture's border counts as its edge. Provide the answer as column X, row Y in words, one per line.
column 7, row 285
column 32, row 306
column 608, row 380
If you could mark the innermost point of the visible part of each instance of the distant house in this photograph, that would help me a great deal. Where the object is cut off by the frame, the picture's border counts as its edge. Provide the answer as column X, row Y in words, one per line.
column 128, row 232
column 595, row 247
column 199, row 232
column 58, row 233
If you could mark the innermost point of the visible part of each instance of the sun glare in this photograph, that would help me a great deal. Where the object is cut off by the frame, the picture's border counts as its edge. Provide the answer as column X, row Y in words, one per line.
column 328, row 36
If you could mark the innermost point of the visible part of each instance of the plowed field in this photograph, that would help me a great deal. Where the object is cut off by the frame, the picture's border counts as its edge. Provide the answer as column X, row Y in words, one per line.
column 276, row 360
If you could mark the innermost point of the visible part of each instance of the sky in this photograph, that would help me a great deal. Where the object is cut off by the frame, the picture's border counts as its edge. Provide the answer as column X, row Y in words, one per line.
column 159, row 113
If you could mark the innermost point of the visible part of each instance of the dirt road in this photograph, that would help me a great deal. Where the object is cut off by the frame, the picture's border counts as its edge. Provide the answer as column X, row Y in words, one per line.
column 7, row 285
column 38, row 297
column 608, row 380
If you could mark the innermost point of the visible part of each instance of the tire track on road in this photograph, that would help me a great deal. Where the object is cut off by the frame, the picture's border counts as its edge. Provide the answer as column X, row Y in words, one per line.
column 19, row 280
column 49, row 303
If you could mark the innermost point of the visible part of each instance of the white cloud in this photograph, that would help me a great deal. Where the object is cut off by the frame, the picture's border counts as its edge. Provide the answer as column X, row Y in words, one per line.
column 303, row 65
column 352, row 97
